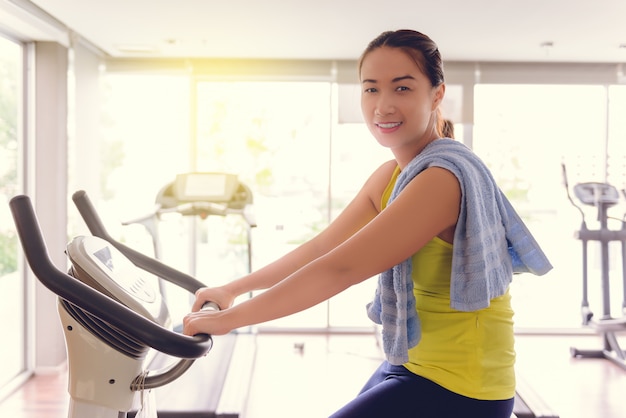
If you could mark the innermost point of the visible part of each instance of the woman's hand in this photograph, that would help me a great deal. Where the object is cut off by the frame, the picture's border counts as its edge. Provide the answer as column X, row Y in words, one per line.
column 205, row 322
column 208, row 321
column 219, row 295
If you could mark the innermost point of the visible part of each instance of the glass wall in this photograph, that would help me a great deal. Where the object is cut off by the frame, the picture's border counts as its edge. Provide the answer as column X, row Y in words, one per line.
column 12, row 287
column 526, row 134
column 144, row 144
column 616, row 150
column 304, row 160
column 355, row 156
column 276, row 137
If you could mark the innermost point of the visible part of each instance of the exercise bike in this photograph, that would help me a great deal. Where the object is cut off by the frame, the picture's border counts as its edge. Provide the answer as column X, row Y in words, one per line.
column 111, row 318
column 218, row 385
column 117, row 326
column 602, row 196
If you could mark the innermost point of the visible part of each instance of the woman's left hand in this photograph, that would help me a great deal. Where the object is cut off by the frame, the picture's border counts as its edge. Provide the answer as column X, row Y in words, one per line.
column 206, row 322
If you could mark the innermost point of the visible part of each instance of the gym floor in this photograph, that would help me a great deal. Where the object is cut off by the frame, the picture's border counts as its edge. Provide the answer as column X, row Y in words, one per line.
column 315, row 374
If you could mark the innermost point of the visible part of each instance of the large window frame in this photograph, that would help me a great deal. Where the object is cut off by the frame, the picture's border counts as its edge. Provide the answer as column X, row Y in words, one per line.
column 601, row 76
column 14, row 288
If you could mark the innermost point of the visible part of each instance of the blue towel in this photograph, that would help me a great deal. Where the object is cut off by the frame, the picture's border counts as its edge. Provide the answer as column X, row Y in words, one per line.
column 491, row 243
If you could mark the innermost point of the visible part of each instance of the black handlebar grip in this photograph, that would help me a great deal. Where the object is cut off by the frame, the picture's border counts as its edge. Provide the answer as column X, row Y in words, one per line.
column 92, row 301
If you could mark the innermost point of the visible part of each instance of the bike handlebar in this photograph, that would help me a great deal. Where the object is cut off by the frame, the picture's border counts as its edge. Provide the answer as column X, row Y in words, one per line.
column 149, row 264
column 96, row 303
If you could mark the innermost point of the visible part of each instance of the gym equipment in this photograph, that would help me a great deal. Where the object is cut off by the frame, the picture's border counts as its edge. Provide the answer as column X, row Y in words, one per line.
column 217, row 385
column 528, row 403
column 200, row 195
column 111, row 317
column 601, row 196
column 108, row 330
column 110, row 321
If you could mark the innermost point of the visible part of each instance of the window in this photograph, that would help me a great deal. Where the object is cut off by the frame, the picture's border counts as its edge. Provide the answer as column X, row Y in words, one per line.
column 144, row 144
column 12, row 289
column 616, row 164
column 252, row 129
column 285, row 141
column 355, row 156
column 524, row 133
column 276, row 137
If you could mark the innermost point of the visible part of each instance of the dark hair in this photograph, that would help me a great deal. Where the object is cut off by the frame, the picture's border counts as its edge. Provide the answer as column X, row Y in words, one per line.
column 416, row 45
column 447, row 128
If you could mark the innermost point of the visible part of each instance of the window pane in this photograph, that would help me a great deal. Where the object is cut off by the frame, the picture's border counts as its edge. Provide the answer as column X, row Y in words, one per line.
column 355, row 156
column 275, row 137
column 524, row 133
column 616, row 167
column 12, row 296
column 617, row 137
column 145, row 143
column 146, row 135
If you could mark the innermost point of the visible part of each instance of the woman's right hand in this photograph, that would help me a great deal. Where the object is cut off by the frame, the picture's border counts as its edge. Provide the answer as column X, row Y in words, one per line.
column 219, row 295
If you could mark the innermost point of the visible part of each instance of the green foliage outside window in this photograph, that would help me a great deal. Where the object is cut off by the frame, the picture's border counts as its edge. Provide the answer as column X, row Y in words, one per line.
column 8, row 156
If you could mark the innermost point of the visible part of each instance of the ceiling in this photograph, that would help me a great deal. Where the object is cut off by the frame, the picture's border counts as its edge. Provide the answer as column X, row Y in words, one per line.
column 465, row 30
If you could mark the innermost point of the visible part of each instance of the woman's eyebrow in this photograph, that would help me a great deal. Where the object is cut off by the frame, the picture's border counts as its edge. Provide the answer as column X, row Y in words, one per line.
column 404, row 77
column 395, row 80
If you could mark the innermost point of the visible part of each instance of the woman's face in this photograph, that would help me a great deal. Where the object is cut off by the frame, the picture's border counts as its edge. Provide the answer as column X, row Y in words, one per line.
column 398, row 101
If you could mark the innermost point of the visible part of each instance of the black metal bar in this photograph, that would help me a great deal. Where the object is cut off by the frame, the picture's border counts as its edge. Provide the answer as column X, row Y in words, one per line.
column 89, row 299
column 96, row 227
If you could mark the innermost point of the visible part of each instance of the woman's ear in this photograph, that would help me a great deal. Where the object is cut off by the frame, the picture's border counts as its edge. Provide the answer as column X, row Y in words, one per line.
column 439, row 93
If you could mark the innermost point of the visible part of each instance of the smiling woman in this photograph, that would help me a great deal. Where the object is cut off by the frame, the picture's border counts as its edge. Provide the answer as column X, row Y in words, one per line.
column 398, row 101
column 441, row 234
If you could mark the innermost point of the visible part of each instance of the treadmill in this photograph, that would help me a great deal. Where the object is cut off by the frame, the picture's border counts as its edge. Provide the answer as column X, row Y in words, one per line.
column 528, row 403
column 199, row 195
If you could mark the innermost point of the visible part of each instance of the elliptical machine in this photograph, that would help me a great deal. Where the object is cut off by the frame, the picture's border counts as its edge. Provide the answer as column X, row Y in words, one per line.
column 602, row 196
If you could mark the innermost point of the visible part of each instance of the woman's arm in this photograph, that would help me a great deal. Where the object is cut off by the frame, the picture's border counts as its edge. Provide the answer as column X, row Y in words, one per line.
column 362, row 209
column 428, row 205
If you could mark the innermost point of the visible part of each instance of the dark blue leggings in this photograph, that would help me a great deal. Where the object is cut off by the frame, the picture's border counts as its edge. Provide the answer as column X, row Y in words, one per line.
column 393, row 391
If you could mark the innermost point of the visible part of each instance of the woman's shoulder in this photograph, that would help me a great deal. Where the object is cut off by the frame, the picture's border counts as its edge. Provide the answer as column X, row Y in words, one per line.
column 379, row 181
column 383, row 174
column 386, row 169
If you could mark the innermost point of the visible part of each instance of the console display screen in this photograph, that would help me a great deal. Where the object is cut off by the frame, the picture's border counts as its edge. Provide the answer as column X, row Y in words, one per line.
column 104, row 255
column 205, row 185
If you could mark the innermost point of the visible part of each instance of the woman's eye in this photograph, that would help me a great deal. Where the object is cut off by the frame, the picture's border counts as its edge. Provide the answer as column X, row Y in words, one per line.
column 370, row 90
column 402, row 88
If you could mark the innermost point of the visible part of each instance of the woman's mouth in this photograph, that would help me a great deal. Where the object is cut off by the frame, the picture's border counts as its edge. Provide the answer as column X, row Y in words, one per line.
column 388, row 126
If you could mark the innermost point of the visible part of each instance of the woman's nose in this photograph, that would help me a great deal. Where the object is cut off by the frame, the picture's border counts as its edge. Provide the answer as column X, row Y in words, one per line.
column 384, row 106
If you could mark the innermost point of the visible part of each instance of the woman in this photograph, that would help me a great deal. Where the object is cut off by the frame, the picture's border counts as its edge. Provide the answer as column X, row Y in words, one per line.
column 443, row 238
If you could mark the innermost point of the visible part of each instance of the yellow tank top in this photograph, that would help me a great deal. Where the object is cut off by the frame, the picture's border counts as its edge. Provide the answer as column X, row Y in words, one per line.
column 470, row 353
